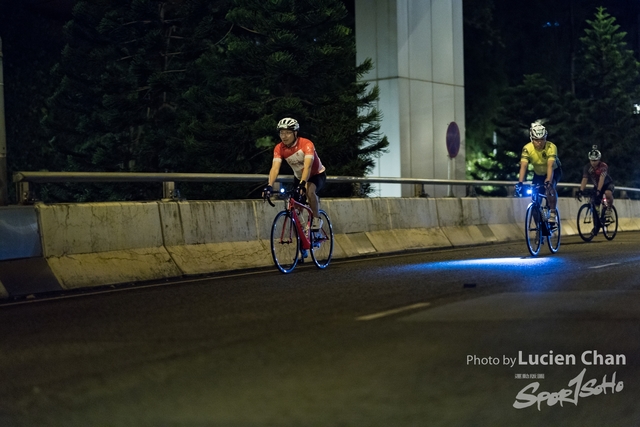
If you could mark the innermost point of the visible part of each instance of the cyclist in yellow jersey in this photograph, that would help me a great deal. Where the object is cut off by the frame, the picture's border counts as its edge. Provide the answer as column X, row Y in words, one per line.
column 542, row 155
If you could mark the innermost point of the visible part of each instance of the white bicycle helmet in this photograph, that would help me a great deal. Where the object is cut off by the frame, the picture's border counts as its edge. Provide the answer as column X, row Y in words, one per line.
column 594, row 154
column 537, row 131
column 288, row 123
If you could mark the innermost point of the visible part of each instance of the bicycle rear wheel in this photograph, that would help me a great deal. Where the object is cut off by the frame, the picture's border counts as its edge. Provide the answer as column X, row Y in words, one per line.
column 532, row 232
column 285, row 242
column 610, row 224
column 322, row 242
column 586, row 222
column 553, row 240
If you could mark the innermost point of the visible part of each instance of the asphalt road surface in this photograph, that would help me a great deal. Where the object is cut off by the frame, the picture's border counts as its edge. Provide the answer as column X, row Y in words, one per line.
column 482, row 336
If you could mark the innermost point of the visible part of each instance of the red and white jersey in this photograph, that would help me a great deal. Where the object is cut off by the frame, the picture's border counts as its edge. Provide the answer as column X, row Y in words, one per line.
column 295, row 155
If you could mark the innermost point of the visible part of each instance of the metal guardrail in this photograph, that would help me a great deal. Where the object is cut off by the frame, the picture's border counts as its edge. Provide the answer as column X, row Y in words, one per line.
column 24, row 190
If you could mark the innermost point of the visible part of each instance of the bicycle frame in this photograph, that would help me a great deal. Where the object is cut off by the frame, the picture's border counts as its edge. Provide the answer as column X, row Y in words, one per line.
column 536, row 201
column 537, row 225
column 604, row 205
column 588, row 214
column 296, row 209
column 292, row 238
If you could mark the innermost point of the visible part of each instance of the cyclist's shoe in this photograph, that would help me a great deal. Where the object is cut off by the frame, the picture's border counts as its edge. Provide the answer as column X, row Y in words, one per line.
column 317, row 239
column 553, row 216
column 305, row 253
column 316, row 224
column 608, row 215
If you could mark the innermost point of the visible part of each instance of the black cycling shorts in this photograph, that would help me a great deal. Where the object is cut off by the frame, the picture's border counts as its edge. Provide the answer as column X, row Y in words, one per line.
column 539, row 179
column 318, row 180
column 608, row 186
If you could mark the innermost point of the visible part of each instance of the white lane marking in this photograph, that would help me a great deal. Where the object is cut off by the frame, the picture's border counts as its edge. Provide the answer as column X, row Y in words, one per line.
column 394, row 311
column 605, row 265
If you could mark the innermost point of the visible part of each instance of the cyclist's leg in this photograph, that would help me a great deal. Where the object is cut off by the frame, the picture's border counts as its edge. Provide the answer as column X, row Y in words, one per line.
column 537, row 179
column 608, row 193
column 552, row 193
column 314, row 185
column 312, row 198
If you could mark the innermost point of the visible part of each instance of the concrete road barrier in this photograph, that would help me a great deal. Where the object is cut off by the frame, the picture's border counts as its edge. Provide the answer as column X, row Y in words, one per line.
column 96, row 244
column 70, row 246
column 23, row 268
column 206, row 237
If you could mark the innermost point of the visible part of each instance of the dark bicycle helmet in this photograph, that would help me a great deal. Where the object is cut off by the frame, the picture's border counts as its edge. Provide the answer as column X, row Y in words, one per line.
column 594, row 154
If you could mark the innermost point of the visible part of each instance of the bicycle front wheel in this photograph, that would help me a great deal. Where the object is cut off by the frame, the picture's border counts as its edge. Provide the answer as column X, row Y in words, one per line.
column 610, row 224
column 285, row 242
column 532, row 232
column 322, row 242
column 553, row 240
column 586, row 222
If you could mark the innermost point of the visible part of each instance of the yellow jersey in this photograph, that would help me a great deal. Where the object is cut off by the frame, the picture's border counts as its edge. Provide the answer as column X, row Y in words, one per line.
column 538, row 159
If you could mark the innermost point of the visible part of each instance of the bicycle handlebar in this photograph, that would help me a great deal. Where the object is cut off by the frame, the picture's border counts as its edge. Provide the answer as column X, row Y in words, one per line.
column 588, row 194
column 268, row 199
column 532, row 188
column 300, row 198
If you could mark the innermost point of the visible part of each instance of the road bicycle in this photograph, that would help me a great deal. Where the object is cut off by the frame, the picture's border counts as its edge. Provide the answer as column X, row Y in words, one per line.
column 592, row 218
column 292, row 238
column 537, row 227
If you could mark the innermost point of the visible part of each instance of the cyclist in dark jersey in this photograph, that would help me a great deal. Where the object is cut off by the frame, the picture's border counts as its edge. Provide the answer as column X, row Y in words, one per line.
column 597, row 172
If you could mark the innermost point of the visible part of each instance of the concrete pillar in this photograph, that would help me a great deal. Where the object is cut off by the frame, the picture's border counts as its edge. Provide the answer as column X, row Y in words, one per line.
column 417, row 50
column 4, row 177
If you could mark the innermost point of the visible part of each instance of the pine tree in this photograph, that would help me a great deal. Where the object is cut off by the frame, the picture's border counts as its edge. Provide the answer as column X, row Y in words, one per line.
column 123, row 73
column 600, row 113
column 484, row 78
column 30, row 45
column 534, row 99
column 285, row 58
column 607, row 87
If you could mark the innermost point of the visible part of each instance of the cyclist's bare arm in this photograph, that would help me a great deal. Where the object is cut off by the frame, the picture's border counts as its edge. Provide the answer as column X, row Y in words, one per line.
column 523, row 170
column 583, row 183
column 273, row 174
column 275, row 170
column 306, row 170
column 550, row 164
column 603, row 176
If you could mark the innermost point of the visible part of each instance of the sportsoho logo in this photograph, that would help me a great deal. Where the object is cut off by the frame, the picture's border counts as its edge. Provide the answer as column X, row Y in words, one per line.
column 577, row 388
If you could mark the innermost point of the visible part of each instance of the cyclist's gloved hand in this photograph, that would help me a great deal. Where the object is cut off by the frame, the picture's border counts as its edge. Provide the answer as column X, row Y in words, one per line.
column 519, row 189
column 302, row 187
column 267, row 191
column 579, row 195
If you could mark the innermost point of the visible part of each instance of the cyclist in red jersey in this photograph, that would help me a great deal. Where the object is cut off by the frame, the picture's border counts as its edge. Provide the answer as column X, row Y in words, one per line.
column 597, row 172
column 300, row 154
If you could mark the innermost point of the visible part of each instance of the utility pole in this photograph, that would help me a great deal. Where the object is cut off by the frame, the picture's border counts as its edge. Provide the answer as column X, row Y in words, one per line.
column 4, row 199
